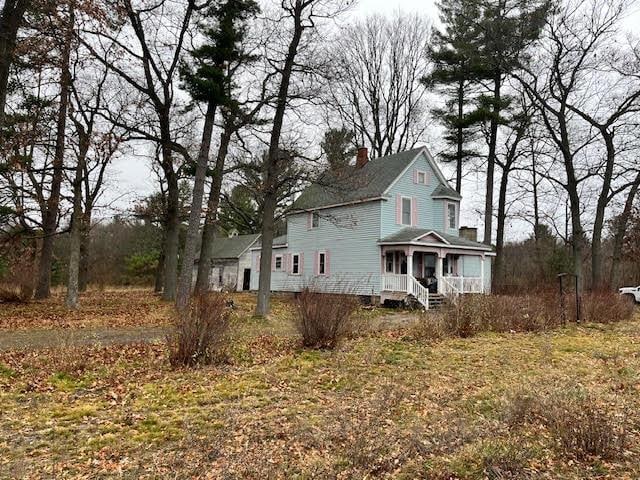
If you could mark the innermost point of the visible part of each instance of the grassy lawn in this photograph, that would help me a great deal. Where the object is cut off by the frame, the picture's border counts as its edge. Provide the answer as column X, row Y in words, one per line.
column 383, row 405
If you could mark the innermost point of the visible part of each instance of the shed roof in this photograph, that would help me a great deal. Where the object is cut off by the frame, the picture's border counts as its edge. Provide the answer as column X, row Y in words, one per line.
column 233, row 247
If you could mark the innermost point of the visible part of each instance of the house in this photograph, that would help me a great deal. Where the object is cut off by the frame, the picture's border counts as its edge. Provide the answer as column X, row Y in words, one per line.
column 231, row 262
column 388, row 228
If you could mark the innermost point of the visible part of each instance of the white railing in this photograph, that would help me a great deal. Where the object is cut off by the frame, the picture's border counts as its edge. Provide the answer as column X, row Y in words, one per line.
column 394, row 283
column 448, row 285
column 419, row 292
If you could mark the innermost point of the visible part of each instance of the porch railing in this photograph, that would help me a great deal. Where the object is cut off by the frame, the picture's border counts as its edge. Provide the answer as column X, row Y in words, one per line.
column 447, row 285
column 406, row 284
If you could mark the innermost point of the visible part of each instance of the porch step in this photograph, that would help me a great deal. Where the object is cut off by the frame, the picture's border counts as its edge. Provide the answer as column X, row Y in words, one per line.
column 436, row 300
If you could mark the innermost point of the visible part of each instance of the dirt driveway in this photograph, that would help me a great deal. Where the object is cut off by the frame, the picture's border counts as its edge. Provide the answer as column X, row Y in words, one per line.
column 43, row 338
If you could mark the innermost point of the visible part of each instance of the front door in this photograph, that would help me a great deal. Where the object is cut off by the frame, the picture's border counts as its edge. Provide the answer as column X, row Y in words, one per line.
column 246, row 279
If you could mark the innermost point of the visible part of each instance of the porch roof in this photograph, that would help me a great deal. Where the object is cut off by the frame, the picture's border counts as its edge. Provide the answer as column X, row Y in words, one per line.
column 417, row 236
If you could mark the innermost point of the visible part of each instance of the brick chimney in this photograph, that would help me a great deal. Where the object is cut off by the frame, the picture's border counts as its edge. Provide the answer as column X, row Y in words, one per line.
column 470, row 233
column 363, row 157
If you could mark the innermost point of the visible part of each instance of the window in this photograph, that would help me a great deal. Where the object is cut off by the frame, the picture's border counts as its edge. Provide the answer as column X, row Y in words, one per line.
column 322, row 263
column 295, row 264
column 315, row 220
column 278, row 263
column 406, row 211
column 421, row 177
column 451, row 215
column 390, row 261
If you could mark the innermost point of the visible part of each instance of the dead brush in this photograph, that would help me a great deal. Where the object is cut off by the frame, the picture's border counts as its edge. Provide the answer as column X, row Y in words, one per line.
column 323, row 319
column 605, row 307
column 581, row 429
column 200, row 331
column 18, row 284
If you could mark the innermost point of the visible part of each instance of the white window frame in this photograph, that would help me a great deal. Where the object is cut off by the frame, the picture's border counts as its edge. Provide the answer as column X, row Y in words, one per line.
column 275, row 265
column 314, row 217
column 448, row 217
column 324, row 253
column 402, row 199
column 293, row 263
column 425, row 180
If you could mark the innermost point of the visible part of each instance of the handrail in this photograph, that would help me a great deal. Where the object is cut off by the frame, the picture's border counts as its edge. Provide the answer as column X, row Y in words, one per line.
column 419, row 292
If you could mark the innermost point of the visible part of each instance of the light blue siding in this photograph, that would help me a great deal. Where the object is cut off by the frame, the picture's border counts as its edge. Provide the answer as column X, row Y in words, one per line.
column 431, row 212
column 471, row 266
column 349, row 234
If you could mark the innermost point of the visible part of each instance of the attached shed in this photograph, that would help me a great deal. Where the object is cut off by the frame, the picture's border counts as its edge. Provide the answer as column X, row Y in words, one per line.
column 231, row 262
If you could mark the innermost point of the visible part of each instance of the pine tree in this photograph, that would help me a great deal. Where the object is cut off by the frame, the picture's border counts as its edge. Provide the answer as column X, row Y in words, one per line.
column 338, row 147
column 456, row 69
column 211, row 81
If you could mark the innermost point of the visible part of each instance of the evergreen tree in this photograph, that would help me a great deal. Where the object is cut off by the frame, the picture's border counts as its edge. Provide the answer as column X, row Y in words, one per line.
column 239, row 212
column 338, row 147
column 211, row 81
column 456, row 68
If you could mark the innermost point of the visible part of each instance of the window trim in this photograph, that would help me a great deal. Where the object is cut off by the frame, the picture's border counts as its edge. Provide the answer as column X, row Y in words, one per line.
column 277, row 257
column 314, row 216
column 402, row 199
column 455, row 216
column 426, row 177
column 293, row 264
column 324, row 253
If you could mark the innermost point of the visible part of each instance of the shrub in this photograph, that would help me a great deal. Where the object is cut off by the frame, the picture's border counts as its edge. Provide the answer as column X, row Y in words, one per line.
column 18, row 281
column 200, row 331
column 605, row 307
column 323, row 319
column 581, row 429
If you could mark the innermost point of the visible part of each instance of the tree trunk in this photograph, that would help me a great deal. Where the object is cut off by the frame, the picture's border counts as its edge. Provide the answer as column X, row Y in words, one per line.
column 210, row 225
column 536, row 218
column 621, row 228
column 271, row 170
column 189, row 255
column 159, row 276
column 75, row 240
column 498, row 277
column 172, row 236
column 491, row 160
column 50, row 221
column 10, row 21
column 460, row 137
column 598, row 224
column 85, row 247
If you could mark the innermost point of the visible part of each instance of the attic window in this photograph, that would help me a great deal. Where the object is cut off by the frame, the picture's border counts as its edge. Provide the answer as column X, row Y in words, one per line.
column 421, row 177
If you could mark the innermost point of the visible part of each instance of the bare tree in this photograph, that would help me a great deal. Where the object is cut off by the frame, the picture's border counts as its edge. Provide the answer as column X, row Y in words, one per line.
column 149, row 65
column 374, row 73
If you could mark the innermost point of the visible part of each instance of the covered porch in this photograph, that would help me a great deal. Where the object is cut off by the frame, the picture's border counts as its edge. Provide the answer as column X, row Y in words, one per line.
column 440, row 264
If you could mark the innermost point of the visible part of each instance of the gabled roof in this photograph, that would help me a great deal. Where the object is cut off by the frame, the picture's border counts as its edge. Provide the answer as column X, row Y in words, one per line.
column 280, row 241
column 233, row 247
column 413, row 235
column 445, row 191
column 358, row 184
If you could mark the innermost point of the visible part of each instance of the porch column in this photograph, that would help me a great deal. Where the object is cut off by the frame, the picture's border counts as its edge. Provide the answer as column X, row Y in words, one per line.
column 482, row 273
column 439, row 262
column 409, row 265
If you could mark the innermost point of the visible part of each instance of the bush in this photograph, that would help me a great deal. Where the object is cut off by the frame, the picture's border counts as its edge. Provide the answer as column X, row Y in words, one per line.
column 18, row 281
column 323, row 319
column 471, row 314
column 582, row 430
column 201, row 331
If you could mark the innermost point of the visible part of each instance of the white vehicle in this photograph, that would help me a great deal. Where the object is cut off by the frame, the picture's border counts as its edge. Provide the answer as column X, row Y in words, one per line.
column 631, row 292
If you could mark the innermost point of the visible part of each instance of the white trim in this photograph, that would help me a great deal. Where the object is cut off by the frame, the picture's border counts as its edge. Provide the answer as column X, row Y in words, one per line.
column 321, row 252
column 402, row 198
column 431, row 232
column 450, row 246
column 334, row 205
column 255, row 249
column 299, row 272
column 446, row 197
column 275, row 262
column 313, row 214
column 426, row 177
column 456, row 216
column 430, row 161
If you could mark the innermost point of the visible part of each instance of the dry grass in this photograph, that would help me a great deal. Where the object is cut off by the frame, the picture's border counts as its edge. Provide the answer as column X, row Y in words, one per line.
column 381, row 406
column 201, row 331
column 18, row 284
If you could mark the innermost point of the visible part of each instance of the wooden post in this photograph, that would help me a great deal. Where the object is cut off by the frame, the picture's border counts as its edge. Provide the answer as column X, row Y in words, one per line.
column 578, row 313
column 563, row 314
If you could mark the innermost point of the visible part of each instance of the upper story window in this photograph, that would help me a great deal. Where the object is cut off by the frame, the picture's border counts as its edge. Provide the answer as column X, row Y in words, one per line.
column 406, row 211
column 421, row 177
column 278, row 263
column 451, row 215
column 315, row 220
